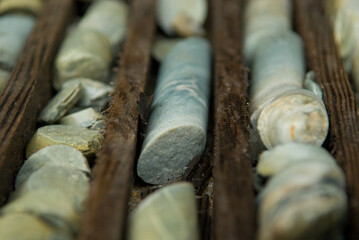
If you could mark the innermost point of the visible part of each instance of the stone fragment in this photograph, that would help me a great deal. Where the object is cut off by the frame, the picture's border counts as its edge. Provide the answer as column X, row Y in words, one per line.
column 61, row 103
column 94, row 93
column 49, row 205
column 85, row 140
column 85, row 118
column 177, row 126
column 59, row 155
column 182, row 17
column 4, row 76
column 14, row 30
column 168, row 213
column 72, row 183
column 162, row 46
column 84, row 53
column 110, row 18
column 32, row 6
column 20, row 226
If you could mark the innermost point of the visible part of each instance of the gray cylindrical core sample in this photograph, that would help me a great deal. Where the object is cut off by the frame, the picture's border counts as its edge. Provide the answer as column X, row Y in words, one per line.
column 14, row 31
column 84, row 53
column 176, row 131
column 108, row 18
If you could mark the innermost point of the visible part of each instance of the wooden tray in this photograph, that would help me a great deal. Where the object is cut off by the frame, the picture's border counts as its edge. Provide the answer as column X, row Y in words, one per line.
column 233, row 213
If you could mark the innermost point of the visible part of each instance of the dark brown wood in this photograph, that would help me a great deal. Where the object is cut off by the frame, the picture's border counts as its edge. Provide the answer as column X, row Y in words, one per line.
column 29, row 88
column 234, row 213
column 106, row 212
column 323, row 57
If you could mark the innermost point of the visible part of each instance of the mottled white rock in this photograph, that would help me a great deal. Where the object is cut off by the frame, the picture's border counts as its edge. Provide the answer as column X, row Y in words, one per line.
column 84, row 53
column 85, row 118
column 93, row 92
column 162, row 46
column 20, row 226
column 282, row 156
column 61, row 103
column 14, row 31
column 72, row 183
column 311, row 85
column 281, row 110
column 85, row 140
column 32, row 6
column 50, row 205
column 59, row 155
column 176, row 130
column 169, row 213
column 110, row 18
column 264, row 18
column 4, row 76
column 182, row 17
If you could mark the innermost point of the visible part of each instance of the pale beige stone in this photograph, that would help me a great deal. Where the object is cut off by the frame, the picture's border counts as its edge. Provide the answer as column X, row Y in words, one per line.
column 162, row 46
column 85, row 118
column 85, row 140
column 31, row 6
column 61, row 103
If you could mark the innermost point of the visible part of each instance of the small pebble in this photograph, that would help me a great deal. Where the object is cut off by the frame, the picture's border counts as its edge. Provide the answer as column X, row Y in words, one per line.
column 73, row 183
column 50, row 205
column 85, row 118
column 59, row 155
column 85, row 140
column 28, row 6
column 94, row 93
column 84, row 53
column 21, row 226
column 4, row 76
column 168, row 213
column 61, row 103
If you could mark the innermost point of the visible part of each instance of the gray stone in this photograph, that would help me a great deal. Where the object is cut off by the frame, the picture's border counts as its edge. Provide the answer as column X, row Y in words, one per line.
column 33, row 6
column 14, row 30
column 59, row 155
column 72, row 183
column 4, row 76
column 50, row 205
column 109, row 18
column 176, row 130
column 86, row 141
column 84, row 53
column 93, row 92
column 20, row 226
column 61, row 103
column 85, row 118
column 169, row 213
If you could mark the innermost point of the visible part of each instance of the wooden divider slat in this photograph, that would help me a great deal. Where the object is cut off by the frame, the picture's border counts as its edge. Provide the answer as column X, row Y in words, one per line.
column 106, row 212
column 234, row 214
column 323, row 57
column 29, row 88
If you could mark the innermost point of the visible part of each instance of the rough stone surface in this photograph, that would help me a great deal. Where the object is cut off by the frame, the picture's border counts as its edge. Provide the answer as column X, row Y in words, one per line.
column 59, row 155
column 85, row 118
column 61, row 103
column 169, row 213
column 176, row 130
column 85, row 140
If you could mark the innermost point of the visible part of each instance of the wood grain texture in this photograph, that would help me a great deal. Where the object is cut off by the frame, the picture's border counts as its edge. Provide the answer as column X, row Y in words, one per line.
column 323, row 58
column 234, row 213
column 29, row 88
column 106, row 212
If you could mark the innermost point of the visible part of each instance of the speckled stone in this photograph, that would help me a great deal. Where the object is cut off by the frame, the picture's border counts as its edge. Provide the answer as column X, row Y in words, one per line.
column 84, row 53
column 169, row 213
column 110, row 18
column 73, row 183
column 4, row 76
column 85, row 118
column 32, row 6
column 50, row 205
column 85, row 140
column 59, row 155
column 14, row 30
column 61, row 103
column 94, row 93
column 20, row 226
column 176, row 130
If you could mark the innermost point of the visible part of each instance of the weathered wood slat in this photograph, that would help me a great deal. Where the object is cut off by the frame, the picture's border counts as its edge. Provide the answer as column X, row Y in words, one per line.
column 234, row 214
column 29, row 88
column 106, row 212
column 324, row 59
